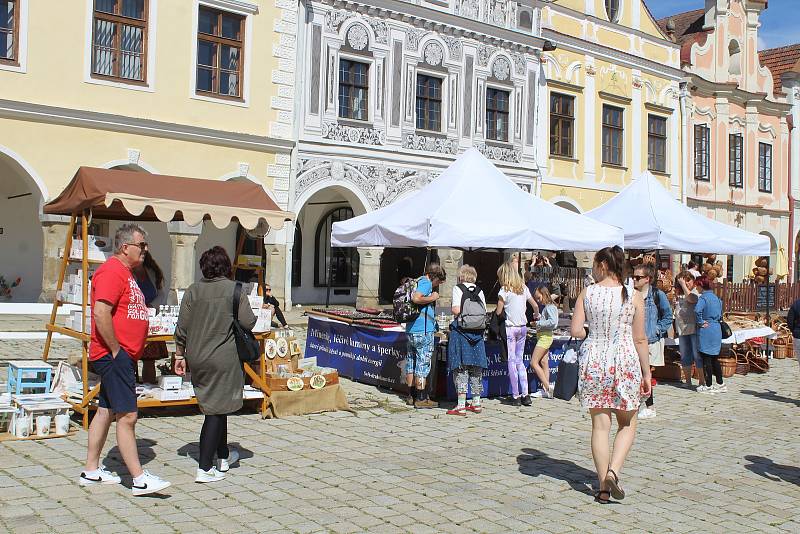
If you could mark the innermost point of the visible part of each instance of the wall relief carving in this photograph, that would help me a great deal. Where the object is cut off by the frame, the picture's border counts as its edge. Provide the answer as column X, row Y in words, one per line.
column 441, row 145
column 381, row 185
column 498, row 153
column 352, row 134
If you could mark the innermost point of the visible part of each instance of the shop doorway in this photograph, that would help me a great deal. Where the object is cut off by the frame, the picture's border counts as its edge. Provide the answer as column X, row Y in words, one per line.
column 21, row 236
column 399, row 263
column 486, row 263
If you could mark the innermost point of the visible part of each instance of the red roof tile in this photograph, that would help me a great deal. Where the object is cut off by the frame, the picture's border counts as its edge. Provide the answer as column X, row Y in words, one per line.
column 687, row 24
column 779, row 61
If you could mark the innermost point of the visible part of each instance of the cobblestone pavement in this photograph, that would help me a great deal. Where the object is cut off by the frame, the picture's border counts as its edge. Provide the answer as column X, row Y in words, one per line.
column 727, row 463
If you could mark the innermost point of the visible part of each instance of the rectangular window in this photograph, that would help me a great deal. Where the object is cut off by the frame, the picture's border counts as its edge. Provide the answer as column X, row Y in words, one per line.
column 429, row 103
column 656, row 143
column 613, row 135
column 497, row 114
column 353, row 90
column 9, row 31
column 562, row 124
column 220, row 43
column 765, row 168
column 119, row 39
column 702, row 161
column 735, row 160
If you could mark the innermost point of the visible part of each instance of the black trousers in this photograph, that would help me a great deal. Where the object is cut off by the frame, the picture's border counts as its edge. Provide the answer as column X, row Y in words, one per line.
column 711, row 367
column 213, row 439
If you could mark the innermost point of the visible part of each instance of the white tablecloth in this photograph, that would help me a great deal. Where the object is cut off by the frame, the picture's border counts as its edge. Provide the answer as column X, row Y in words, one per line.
column 740, row 336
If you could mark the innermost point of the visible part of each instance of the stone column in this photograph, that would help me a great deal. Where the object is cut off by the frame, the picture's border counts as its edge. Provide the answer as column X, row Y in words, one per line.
column 184, row 257
column 276, row 273
column 369, row 271
column 451, row 260
column 54, row 230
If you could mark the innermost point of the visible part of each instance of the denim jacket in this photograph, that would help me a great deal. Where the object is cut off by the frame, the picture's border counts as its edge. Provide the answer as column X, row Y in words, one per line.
column 657, row 315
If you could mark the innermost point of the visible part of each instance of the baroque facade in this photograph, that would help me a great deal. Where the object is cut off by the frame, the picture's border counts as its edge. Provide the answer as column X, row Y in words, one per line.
column 390, row 93
column 736, row 129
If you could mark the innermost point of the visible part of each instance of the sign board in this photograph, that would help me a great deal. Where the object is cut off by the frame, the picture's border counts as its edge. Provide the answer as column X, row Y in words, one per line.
column 761, row 296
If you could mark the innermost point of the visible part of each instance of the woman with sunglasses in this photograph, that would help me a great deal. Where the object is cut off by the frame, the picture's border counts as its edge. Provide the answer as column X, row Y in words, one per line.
column 273, row 303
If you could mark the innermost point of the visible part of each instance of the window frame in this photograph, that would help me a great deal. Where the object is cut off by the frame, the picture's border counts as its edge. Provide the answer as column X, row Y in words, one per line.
column 765, row 167
column 428, row 99
column 736, row 179
column 617, row 10
column 220, row 41
column 557, row 121
column 117, row 19
column 495, row 110
column 368, row 99
column 619, row 129
column 350, row 253
column 702, row 159
column 14, row 61
column 657, row 137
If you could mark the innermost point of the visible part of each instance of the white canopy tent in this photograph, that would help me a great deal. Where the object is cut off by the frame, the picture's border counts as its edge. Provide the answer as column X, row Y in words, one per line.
column 652, row 219
column 473, row 205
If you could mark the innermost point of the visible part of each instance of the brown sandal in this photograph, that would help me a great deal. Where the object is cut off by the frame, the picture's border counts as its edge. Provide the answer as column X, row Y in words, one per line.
column 612, row 481
column 600, row 499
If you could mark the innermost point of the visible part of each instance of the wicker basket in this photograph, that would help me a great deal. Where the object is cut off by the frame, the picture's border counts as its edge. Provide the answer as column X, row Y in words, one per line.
column 758, row 364
column 728, row 366
column 742, row 364
column 781, row 352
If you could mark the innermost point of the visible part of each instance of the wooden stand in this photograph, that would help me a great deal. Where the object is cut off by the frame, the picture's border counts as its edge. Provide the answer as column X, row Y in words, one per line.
column 85, row 405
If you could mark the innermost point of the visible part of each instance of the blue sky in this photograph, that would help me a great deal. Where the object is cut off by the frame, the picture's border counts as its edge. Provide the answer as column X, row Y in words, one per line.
column 780, row 23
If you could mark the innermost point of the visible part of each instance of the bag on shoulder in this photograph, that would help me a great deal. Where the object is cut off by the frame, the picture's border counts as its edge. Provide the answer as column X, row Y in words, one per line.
column 473, row 310
column 403, row 308
column 247, row 346
column 726, row 330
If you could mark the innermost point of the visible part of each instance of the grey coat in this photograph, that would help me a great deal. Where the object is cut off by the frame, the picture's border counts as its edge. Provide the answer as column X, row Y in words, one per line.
column 204, row 330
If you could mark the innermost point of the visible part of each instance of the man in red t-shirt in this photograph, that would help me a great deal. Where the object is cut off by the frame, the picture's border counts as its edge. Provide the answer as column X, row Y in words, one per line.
column 119, row 331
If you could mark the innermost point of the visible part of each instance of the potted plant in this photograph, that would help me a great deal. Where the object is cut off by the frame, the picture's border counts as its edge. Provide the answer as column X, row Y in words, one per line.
column 6, row 287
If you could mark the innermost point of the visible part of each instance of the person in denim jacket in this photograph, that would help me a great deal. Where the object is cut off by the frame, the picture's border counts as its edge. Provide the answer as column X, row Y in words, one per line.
column 657, row 320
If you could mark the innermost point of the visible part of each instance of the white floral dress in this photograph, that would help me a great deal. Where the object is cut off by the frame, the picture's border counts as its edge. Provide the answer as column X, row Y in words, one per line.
column 610, row 375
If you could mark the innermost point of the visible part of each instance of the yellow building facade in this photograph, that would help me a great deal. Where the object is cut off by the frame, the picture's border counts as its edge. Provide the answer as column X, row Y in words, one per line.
column 612, row 105
column 197, row 88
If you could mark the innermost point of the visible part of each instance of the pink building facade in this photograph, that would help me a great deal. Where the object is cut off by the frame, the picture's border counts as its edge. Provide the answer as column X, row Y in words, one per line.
column 736, row 129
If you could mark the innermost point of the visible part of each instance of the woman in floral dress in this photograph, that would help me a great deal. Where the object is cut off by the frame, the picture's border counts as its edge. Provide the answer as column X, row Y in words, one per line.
column 614, row 370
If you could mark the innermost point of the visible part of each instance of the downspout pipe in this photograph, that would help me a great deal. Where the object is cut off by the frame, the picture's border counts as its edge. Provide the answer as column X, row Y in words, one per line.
column 687, row 164
column 791, row 252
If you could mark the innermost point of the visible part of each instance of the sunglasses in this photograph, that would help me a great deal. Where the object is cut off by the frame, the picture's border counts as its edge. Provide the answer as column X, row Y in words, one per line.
column 142, row 246
column 267, row 289
column 638, row 277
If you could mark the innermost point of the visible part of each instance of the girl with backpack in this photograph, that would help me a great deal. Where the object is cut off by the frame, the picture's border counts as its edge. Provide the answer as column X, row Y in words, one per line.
column 546, row 322
column 466, row 352
column 511, row 299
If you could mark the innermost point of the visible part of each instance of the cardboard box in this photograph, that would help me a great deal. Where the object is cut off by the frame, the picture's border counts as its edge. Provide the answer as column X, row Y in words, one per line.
column 174, row 395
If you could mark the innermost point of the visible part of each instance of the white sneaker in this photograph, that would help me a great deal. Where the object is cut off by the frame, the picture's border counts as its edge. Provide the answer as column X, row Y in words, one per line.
column 224, row 464
column 719, row 388
column 212, row 475
column 647, row 413
column 148, row 483
column 101, row 475
column 708, row 390
column 539, row 394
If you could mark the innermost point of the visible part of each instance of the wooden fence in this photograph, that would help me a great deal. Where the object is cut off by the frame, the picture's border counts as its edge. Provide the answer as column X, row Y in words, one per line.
column 753, row 297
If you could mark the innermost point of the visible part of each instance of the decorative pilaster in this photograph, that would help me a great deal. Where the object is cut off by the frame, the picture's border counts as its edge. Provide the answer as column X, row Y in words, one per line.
column 369, row 269
column 451, row 259
column 184, row 240
column 54, row 230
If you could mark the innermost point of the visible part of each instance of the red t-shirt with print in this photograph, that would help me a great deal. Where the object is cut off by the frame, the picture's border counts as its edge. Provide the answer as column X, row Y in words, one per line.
column 114, row 284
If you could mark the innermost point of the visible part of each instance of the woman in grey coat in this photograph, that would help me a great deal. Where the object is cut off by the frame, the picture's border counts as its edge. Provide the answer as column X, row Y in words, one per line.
column 204, row 340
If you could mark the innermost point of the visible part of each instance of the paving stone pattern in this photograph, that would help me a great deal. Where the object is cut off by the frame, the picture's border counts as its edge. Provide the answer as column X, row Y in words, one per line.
column 727, row 463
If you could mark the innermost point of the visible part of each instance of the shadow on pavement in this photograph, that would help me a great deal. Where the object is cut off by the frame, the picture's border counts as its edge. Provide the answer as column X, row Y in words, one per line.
column 775, row 472
column 192, row 450
column 771, row 395
column 535, row 463
column 113, row 460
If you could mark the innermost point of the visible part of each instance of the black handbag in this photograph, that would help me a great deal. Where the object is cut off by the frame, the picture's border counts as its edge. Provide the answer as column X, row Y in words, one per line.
column 567, row 380
column 247, row 346
column 726, row 330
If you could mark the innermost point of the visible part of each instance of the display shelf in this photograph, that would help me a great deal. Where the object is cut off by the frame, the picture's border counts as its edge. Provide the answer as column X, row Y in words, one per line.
column 6, row 436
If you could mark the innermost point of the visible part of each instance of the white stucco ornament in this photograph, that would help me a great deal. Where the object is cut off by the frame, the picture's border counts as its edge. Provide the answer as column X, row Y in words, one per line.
column 337, row 170
column 501, row 68
column 434, row 54
column 357, row 37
